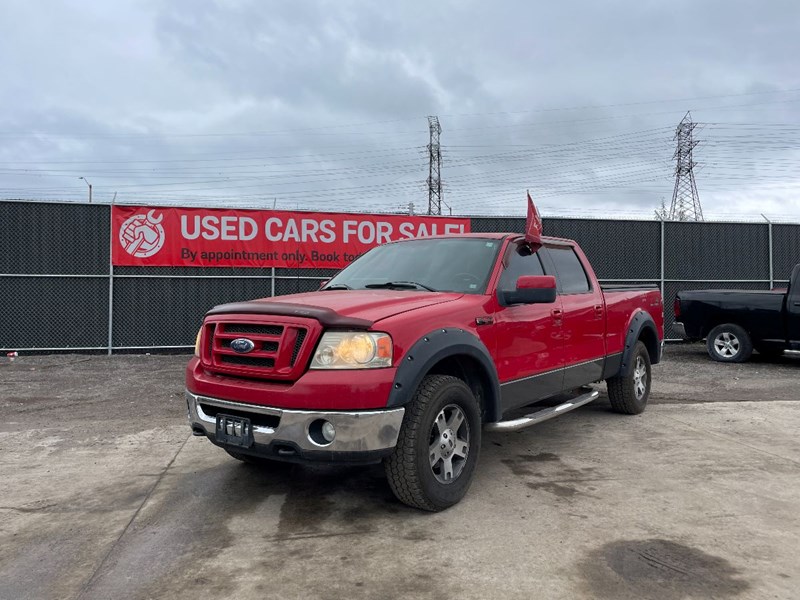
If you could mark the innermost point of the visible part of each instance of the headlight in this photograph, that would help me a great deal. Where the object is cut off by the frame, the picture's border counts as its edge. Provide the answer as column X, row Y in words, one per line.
column 353, row 350
column 197, row 343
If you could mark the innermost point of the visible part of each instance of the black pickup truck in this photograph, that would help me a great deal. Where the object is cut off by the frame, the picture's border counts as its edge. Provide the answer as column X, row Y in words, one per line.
column 735, row 322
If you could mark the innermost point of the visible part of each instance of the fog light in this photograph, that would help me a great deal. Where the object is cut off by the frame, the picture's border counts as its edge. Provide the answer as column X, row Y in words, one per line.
column 321, row 432
column 328, row 431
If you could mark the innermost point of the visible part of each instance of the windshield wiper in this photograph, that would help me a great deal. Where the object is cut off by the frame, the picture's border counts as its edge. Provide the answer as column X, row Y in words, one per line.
column 399, row 284
column 337, row 286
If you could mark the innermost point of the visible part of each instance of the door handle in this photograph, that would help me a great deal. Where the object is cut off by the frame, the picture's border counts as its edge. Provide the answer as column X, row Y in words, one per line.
column 557, row 314
column 598, row 309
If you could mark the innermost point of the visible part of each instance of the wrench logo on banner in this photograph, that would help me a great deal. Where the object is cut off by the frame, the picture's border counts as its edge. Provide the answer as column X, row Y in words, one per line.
column 142, row 235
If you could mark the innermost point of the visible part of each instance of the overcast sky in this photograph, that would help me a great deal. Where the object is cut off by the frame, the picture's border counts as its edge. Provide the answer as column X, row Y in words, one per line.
column 323, row 105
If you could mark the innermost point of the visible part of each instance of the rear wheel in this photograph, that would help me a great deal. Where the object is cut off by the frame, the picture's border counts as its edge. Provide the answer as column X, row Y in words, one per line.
column 629, row 393
column 729, row 343
column 432, row 465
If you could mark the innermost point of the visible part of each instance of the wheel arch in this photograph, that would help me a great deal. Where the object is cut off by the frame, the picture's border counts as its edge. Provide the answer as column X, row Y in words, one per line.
column 642, row 327
column 449, row 351
column 715, row 319
column 723, row 319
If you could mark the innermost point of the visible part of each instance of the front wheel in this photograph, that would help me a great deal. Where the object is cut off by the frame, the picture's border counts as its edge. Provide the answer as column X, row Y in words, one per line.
column 432, row 465
column 729, row 343
column 629, row 393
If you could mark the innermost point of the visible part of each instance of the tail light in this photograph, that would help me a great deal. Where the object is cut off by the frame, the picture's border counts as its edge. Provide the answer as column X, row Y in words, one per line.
column 676, row 307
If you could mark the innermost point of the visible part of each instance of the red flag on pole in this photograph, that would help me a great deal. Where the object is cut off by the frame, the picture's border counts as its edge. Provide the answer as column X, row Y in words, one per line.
column 533, row 226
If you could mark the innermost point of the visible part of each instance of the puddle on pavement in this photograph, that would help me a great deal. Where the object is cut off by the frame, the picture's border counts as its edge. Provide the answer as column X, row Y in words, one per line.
column 546, row 472
column 662, row 569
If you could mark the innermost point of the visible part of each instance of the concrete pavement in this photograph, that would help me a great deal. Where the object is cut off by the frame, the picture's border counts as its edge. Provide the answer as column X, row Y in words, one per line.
column 688, row 500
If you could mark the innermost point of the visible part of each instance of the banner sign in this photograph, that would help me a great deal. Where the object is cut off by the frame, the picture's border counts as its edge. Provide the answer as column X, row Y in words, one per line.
column 209, row 237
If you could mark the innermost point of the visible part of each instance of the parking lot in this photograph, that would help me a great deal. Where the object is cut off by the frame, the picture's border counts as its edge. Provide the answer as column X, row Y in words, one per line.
column 105, row 494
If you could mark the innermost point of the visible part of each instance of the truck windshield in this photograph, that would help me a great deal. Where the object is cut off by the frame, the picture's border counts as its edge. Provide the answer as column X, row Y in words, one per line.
column 443, row 265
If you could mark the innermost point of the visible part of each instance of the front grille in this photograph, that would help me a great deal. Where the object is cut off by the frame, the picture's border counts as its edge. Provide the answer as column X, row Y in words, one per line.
column 263, row 346
column 248, row 361
column 301, row 335
column 210, row 339
column 280, row 351
column 256, row 329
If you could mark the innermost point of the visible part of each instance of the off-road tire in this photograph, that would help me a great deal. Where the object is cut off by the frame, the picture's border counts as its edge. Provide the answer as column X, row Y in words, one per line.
column 743, row 343
column 408, row 468
column 622, row 389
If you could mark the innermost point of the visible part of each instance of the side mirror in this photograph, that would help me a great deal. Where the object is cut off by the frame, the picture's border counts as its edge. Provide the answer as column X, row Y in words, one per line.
column 323, row 283
column 531, row 289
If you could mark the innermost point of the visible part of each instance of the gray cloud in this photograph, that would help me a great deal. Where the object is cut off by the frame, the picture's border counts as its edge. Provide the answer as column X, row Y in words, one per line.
column 323, row 104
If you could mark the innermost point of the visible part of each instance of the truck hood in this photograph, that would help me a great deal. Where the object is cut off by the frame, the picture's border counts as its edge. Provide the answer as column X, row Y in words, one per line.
column 342, row 308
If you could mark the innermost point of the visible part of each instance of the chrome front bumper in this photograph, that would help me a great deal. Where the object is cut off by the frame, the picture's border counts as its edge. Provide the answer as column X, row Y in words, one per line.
column 366, row 431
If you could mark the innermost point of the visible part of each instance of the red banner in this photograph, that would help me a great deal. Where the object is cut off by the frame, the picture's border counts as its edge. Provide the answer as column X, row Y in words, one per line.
column 208, row 237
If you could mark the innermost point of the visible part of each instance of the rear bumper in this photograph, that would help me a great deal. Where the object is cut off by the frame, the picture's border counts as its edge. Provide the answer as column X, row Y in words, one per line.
column 361, row 436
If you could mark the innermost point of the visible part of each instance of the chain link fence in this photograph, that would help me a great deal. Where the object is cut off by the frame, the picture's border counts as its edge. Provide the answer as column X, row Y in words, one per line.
column 58, row 290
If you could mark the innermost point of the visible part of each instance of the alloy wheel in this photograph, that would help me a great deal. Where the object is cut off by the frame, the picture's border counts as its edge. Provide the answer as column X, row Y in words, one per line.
column 639, row 378
column 727, row 344
column 449, row 444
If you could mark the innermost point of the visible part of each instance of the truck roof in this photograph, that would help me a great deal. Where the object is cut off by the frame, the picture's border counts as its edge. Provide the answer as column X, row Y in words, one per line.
column 492, row 235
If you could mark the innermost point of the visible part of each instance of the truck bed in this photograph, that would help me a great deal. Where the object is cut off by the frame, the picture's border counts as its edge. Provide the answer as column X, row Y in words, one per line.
column 760, row 312
column 624, row 301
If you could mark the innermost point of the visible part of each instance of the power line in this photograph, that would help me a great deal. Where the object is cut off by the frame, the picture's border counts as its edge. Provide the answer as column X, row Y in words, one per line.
column 413, row 118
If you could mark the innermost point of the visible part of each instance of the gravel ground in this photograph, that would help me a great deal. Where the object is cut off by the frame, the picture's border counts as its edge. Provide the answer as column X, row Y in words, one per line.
column 107, row 496
column 687, row 374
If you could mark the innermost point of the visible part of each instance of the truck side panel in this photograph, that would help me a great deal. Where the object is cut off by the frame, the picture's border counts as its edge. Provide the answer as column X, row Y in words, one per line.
column 620, row 309
column 759, row 313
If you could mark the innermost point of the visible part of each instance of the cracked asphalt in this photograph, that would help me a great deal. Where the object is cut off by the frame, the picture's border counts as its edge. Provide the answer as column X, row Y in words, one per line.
column 106, row 495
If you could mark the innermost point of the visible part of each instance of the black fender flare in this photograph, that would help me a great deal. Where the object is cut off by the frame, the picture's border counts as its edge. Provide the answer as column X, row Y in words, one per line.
column 431, row 349
column 641, row 321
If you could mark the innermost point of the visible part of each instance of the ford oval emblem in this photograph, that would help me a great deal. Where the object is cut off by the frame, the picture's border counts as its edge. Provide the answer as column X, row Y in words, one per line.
column 242, row 345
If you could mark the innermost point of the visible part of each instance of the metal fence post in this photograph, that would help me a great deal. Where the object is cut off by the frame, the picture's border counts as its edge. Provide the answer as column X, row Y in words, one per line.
column 110, row 277
column 769, row 237
column 662, row 259
column 272, row 284
column 771, row 257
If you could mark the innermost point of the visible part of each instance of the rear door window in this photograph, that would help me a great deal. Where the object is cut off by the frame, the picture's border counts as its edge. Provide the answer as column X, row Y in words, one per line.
column 572, row 278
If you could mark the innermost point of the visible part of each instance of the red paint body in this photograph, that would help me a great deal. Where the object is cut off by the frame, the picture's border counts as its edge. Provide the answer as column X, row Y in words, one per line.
column 523, row 340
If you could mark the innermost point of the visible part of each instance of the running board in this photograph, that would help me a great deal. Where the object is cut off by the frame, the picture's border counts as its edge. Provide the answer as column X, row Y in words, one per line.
column 542, row 415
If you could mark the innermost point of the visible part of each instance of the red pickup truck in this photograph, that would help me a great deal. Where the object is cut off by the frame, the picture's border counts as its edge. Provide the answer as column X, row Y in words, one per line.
column 409, row 352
